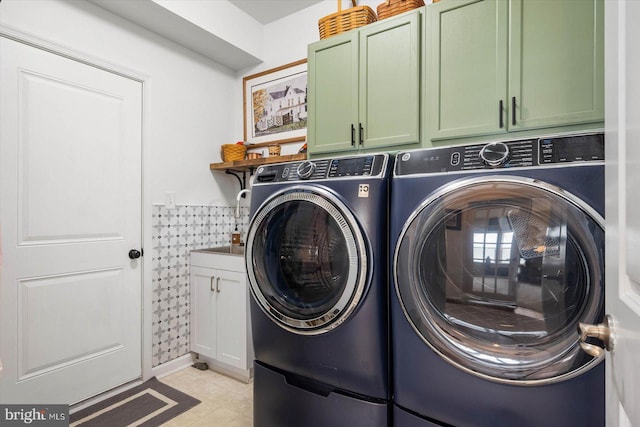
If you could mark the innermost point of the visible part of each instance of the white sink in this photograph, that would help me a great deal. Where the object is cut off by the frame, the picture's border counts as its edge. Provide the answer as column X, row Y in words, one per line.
column 228, row 250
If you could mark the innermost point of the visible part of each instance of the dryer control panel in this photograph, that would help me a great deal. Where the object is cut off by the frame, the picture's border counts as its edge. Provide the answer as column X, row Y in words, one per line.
column 531, row 152
column 374, row 165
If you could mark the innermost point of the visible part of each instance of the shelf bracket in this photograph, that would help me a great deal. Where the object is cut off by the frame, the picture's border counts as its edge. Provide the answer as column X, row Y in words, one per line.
column 242, row 181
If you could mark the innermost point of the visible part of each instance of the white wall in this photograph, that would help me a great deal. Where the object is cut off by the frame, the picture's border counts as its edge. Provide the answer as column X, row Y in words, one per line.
column 190, row 98
column 222, row 19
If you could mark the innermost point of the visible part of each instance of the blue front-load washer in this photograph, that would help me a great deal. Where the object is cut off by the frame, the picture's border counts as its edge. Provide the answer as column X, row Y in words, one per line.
column 316, row 257
column 498, row 254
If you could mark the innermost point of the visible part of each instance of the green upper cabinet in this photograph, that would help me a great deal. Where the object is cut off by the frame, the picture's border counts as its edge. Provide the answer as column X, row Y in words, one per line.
column 556, row 73
column 333, row 94
column 466, row 78
column 496, row 66
column 364, row 88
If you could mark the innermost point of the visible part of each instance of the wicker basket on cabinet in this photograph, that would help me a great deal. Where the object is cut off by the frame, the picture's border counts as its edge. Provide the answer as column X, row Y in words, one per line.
column 394, row 7
column 345, row 20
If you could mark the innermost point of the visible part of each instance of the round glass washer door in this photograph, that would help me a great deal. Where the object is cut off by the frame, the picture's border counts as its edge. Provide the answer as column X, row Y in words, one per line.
column 306, row 260
column 494, row 274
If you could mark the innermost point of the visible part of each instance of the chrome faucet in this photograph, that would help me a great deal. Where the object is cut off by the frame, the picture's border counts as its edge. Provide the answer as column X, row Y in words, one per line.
column 240, row 194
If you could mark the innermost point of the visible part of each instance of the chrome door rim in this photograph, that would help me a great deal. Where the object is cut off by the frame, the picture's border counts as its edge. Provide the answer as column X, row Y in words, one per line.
column 358, row 260
column 495, row 179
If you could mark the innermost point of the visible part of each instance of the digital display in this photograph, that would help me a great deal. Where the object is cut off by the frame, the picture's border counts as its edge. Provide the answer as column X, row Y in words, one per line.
column 572, row 148
column 351, row 167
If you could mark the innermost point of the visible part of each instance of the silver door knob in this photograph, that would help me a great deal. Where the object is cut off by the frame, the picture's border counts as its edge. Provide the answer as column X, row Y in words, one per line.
column 602, row 332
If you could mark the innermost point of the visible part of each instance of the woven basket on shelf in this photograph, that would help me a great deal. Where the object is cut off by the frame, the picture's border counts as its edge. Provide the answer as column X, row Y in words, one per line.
column 394, row 7
column 231, row 152
column 345, row 20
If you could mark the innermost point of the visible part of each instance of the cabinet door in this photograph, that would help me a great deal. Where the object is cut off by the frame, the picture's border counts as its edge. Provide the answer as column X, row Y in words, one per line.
column 231, row 290
column 556, row 74
column 467, row 68
column 333, row 94
column 203, row 311
column 390, row 82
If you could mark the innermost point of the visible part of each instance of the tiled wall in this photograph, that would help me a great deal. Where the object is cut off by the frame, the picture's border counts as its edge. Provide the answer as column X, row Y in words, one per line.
column 176, row 232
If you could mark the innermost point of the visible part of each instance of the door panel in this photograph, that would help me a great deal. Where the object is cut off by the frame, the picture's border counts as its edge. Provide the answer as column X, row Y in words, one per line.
column 559, row 85
column 47, row 339
column 333, row 87
column 390, row 82
column 231, row 348
column 623, row 211
column 70, row 210
column 470, row 66
column 65, row 209
column 203, row 302
column 495, row 273
column 309, row 265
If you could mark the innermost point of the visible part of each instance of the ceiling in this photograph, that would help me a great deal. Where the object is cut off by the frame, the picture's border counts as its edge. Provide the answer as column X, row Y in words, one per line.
column 266, row 11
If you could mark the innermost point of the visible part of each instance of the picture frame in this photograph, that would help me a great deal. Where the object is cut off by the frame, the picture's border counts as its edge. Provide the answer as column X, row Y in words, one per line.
column 275, row 105
column 454, row 220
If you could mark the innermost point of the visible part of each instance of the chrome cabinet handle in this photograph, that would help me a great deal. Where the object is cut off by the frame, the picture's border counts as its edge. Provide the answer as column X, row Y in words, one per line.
column 513, row 111
column 211, row 279
column 217, row 284
column 500, row 112
column 602, row 332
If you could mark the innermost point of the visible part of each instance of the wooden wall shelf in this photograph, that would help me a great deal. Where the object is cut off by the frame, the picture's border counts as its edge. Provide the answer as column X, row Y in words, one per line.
column 237, row 167
column 250, row 165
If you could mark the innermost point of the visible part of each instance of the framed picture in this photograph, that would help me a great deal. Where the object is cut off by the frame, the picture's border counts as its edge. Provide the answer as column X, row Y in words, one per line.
column 454, row 219
column 275, row 104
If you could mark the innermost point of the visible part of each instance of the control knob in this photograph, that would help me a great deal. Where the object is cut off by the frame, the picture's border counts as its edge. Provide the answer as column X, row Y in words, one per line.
column 495, row 154
column 306, row 169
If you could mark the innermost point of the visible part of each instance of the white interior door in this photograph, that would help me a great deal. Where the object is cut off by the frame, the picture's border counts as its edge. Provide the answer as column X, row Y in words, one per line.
column 70, row 210
column 622, row 143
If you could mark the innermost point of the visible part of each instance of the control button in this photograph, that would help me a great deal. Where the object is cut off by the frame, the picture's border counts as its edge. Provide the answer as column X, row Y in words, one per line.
column 455, row 158
column 305, row 169
column 495, row 154
column 285, row 172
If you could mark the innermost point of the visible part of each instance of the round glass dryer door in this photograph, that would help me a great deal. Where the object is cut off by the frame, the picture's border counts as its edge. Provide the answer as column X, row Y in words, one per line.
column 306, row 260
column 495, row 273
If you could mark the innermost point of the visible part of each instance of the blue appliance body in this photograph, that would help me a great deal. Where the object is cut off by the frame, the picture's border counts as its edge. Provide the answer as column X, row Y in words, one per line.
column 434, row 387
column 316, row 259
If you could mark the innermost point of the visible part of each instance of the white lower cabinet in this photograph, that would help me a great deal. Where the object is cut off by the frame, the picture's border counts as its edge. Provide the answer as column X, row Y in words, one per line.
column 220, row 327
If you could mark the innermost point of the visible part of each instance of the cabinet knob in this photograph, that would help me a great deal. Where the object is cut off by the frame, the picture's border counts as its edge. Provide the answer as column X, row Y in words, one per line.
column 134, row 254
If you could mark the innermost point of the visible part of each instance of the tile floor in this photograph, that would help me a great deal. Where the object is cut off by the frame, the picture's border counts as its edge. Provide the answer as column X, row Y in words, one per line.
column 225, row 402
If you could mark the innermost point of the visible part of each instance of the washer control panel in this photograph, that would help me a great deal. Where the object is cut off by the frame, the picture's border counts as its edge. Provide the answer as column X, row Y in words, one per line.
column 374, row 165
column 503, row 154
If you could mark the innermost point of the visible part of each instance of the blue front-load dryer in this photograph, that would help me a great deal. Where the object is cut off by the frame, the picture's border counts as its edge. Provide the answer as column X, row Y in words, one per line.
column 498, row 255
column 316, row 257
